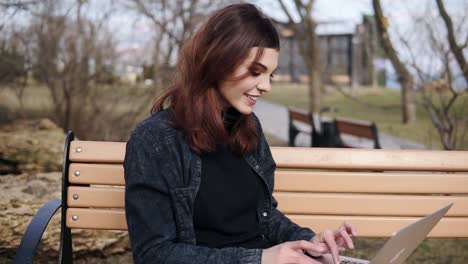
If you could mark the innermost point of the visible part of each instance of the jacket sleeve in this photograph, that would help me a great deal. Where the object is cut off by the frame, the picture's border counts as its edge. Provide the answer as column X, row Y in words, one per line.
column 280, row 227
column 150, row 213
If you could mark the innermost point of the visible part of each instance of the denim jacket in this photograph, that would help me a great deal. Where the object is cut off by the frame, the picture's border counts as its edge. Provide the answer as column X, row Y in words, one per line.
column 162, row 177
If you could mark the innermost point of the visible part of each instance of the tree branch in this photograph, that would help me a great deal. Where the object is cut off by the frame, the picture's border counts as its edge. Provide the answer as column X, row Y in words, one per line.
column 457, row 51
column 288, row 14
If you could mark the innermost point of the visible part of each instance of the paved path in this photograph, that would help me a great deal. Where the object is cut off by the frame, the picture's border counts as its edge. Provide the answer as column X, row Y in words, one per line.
column 274, row 119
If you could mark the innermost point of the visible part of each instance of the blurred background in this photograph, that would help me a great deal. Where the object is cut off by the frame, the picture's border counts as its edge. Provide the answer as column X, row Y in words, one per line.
column 95, row 67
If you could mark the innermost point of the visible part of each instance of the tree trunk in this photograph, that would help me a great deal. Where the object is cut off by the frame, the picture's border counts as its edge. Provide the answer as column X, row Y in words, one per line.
column 408, row 103
column 315, row 91
column 404, row 77
column 456, row 50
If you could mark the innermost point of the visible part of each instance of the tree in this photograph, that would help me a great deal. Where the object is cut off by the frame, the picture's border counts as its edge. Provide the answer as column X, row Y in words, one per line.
column 71, row 54
column 10, row 8
column 172, row 22
column 444, row 96
column 304, row 31
column 12, row 63
column 404, row 76
column 456, row 49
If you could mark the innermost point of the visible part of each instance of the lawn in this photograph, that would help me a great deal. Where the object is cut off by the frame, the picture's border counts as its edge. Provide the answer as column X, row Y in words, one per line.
column 388, row 120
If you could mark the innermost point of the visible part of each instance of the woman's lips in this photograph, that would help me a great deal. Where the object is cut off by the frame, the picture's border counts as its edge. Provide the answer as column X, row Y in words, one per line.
column 251, row 100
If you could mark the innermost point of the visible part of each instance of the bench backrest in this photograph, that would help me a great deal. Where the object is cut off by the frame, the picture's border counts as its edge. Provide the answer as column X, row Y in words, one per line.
column 378, row 190
column 358, row 128
column 301, row 116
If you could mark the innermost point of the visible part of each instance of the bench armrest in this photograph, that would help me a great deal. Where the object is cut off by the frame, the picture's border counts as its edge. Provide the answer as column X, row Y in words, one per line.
column 33, row 234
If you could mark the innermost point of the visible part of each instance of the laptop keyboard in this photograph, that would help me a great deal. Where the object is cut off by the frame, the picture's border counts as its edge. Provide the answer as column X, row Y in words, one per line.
column 349, row 262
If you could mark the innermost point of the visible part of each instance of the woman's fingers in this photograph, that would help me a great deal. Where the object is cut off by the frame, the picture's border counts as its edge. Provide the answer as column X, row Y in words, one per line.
column 345, row 236
column 299, row 246
column 328, row 237
column 290, row 252
column 309, row 246
column 300, row 258
column 350, row 228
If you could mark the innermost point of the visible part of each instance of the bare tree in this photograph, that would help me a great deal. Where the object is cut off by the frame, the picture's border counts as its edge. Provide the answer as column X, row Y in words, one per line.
column 172, row 22
column 404, row 76
column 455, row 48
column 15, row 64
column 443, row 97
column 69, row 54
column 10, row 8
column 304, row 31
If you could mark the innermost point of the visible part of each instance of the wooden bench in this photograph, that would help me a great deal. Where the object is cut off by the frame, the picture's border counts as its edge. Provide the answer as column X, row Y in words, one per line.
column 357, row 128
column 378, row 190
column 331, row 132
column 301, row 121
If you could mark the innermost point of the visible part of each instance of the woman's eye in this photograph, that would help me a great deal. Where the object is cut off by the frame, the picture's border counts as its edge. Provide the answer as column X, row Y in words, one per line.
column 254, row 73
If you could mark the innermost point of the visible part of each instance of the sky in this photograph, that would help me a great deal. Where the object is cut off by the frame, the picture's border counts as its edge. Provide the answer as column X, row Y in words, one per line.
column 133, row 32
column 348, row 12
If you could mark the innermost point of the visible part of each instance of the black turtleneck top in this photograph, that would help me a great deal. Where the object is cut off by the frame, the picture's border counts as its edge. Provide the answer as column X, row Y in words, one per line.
column 225, row 208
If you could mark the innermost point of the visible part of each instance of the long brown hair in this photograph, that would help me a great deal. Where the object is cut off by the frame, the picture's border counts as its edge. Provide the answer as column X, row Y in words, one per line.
column 220, row 45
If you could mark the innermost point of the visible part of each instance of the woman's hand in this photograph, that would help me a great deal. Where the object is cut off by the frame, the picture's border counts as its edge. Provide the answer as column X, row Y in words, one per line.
column 292, row 253
column 334, row 241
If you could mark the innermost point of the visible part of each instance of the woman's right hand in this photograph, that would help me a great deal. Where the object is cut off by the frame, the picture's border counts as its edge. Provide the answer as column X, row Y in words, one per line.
column 291, row 253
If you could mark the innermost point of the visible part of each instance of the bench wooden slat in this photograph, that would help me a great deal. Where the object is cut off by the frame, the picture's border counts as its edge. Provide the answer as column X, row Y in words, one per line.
column 383, row 226
column 97, row 151
column 318, row 158
column 364, row 204
column 96, row 197
column 358, row 159
column 96, row 219
column 305, row 203
column 311, row 181
column 300, row 115
column 86, row 173
column 358, row 128
column 370, row 182
column 368, row 226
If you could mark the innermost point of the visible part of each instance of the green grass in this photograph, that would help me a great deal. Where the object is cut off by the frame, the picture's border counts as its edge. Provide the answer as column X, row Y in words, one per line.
column 105, row 112
column 388, row 120
column 431, row 250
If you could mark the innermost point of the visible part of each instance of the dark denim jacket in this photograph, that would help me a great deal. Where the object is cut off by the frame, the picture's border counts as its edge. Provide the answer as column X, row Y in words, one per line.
column 162, row 178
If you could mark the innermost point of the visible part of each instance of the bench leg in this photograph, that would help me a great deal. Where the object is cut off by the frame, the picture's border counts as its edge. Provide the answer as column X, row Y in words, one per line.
column 66, row 249
column 34, row 232
column 293, row 131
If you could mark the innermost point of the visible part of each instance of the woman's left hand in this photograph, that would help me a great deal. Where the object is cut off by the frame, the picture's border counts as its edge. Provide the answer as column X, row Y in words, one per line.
column 335, row 240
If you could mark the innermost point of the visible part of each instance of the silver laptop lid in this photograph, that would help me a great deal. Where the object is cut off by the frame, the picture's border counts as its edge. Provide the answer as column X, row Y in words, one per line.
column 398, row 248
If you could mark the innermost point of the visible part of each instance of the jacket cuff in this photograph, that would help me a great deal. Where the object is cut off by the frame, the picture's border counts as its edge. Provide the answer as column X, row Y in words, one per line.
column 252, row 256
column 303, row 234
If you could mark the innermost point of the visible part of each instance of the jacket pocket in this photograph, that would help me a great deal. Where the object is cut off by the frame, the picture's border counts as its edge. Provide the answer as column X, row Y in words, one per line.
column 182, row 201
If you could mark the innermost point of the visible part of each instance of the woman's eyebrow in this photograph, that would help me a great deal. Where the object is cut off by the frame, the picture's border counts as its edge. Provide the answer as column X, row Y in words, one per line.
column 262, row 66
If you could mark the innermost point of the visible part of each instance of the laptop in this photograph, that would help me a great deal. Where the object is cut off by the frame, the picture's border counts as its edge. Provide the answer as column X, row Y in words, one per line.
column 400, row 246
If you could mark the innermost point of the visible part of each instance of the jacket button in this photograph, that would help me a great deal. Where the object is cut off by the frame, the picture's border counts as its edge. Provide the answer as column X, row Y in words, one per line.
column 265, row 214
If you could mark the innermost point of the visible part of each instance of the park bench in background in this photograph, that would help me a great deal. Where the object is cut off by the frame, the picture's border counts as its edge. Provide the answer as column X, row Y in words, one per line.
column 321, row 130
column 357, row 128
column 330, row 133
column 378, row 190
column 300, row 121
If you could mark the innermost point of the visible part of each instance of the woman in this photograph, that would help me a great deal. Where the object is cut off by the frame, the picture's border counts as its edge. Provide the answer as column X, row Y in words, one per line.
column 199, row 172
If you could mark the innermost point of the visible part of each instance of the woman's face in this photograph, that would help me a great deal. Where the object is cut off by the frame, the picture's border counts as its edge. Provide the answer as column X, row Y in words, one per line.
column 243, row 94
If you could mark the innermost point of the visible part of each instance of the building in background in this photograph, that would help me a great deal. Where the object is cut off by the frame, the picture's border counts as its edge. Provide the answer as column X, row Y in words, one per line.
column 350, row 54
